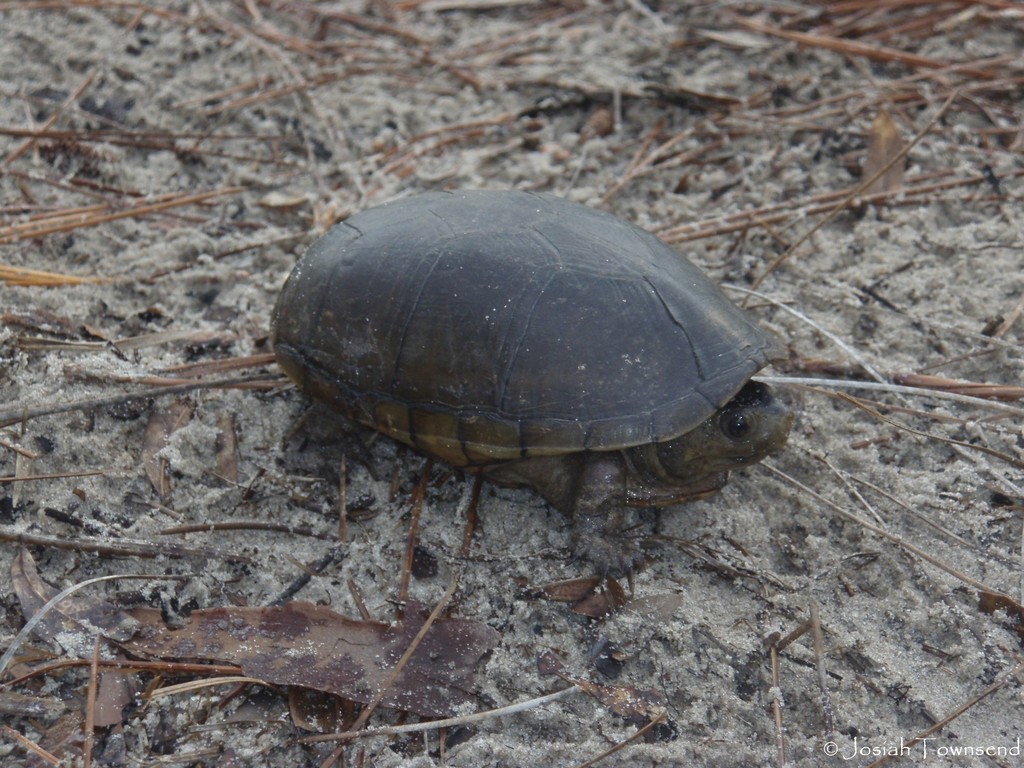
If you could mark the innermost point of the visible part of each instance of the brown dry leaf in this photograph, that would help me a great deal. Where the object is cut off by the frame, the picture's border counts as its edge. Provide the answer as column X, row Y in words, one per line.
column 584, row 597
column 75, row 621
column 282, row 200
column 313, row 711
column 313, row 647
column 884, row 143
column 603, row 603
column 989, row 603
column 116, row 691
column 637, row 705
column 600, row 123
column 549, row 664
column 225, row 447
column 570, row 591
column 161, row 425
column 326, row 215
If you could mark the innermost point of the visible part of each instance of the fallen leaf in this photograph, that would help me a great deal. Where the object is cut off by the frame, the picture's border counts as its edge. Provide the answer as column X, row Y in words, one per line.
column 313, row 711
column 637, row 705
column 884, row 144
column 313, row 647
column 225, row 447
column 76, row 620
column 990, row 602
column 115, row 692
column 570, row 591
column 161, row 425
column 279, row 199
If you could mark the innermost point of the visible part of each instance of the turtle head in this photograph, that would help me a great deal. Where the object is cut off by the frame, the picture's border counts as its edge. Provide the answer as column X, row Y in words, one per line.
column 749, row 427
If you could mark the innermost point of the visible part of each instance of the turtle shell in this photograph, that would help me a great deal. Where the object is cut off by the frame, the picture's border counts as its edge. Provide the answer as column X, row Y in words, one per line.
column 485, row 326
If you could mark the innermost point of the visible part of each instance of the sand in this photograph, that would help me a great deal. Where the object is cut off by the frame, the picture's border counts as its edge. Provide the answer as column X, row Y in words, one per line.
column 298, row 119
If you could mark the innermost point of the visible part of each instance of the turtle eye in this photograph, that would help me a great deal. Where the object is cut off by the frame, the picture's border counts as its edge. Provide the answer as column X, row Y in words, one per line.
column 737, row 426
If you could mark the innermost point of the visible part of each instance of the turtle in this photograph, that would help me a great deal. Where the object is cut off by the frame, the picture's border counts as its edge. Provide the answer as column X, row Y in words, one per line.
column 540, row 342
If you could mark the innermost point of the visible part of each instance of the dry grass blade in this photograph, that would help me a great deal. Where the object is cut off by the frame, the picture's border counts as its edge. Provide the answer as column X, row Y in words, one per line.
column 413, row 530
column 819, row 665
column 173, row 387
column 22, row 276
column 47, row 757
column 29, row 142
column 14, row 233
column 56, row 475
column 119, row 548
column 866, row 50
column 917, row 192
column 969, row 388
column 449, row 722
column 976, row 402
column 834, row 338
column 198, row 685
column 246, row 525
column 775, row 695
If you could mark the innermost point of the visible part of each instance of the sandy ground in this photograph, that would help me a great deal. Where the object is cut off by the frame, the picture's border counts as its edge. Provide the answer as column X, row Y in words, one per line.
column 302, row 118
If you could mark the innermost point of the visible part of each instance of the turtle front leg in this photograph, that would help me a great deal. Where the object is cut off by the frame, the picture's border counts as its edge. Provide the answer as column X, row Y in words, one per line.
column 590, row 488
column 597, row 510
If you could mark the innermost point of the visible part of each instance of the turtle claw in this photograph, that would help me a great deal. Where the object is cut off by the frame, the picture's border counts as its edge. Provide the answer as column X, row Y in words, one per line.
column 610, row 556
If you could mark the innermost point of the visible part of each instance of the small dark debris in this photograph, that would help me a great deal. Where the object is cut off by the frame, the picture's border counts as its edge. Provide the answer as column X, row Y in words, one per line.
column 61, row 516
column 607, row 658
column 666, row 730
column 151, row 314
column 205, row 296
column 49, row 94
column 990, row 176
column 458, row 735
column 781, row 95
column 129, row 410
column 1002, row 500
column 196, row 351
column 44, row 444
column 992, row 325
column 114, row 108
column 424, row 563
column 835, row 144
column 320, row 150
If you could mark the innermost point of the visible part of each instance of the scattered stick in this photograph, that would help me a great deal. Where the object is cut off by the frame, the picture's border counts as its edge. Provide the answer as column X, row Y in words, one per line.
column 23, row 413
column 451, row 722
column 118, row 548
